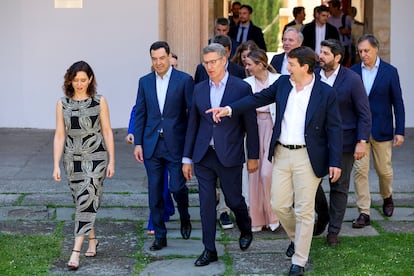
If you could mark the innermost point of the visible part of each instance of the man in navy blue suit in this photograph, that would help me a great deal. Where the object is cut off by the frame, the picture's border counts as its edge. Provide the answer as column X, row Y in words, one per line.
column 306, row 145
column 382, row 85
column 356, row 128
column 292, row 38
column 217, row 149
column 223, row 211
column 162, row 105
column 233, row 68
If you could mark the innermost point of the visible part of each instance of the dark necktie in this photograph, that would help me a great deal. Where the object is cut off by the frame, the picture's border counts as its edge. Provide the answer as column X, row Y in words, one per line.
column 241, row 35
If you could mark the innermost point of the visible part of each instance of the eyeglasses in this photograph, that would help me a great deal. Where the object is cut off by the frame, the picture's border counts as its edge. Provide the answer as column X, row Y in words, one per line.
column 211, row 62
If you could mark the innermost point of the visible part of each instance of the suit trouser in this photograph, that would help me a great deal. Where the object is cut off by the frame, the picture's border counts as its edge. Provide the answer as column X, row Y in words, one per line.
column 207, row 171
column 381, row 156
column 338, row 195
column 155, row 167
column 294, row 184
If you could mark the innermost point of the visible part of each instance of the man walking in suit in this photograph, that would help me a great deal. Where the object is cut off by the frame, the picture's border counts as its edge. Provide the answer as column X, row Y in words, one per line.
column 233, row 68
column 162, row 105
column 297, row 23
column 356, row 127
column 382, row 85
column 217, row 149
column 292, row 38
column 306, row 145
column 223, row 211
column 319, row 29
column 246, row 30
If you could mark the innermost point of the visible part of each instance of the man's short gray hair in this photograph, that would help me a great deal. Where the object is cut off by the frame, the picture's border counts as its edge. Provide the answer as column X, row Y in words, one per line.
column 214, row 48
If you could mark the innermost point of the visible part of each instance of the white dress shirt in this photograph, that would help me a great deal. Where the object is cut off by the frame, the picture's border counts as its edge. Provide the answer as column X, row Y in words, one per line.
column 331, row 79
column 320, row 33
column 162, row 86
column 293, row 121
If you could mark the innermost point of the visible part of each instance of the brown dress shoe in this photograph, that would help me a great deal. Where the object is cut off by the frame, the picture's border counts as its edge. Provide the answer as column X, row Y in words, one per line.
column 388, row 206
column 362, row 221
column 332, row 239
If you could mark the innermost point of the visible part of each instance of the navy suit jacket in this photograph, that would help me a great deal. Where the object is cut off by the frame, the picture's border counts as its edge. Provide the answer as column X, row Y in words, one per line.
column 255, row 34
column 229, row 133
column 173, row 121
column 277, row 61
column 233, row 69
column 323, row 133
column 353, row 107
column 309, row 30
column 384, row 99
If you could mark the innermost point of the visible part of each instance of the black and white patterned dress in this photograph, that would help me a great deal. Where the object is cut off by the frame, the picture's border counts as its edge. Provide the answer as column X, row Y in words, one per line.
column 85, row 158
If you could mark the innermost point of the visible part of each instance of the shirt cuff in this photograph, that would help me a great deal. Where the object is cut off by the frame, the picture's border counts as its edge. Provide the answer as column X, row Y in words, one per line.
column 229, row 110
column 187, row 160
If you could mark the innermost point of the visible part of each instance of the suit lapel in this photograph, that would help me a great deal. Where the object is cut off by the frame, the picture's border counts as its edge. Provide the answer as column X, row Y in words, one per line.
column 340, row 78
column 284, row 95
column 226, row 95
column 378, row 77
column 152, row 95
column 314, row 100
column 172, row 84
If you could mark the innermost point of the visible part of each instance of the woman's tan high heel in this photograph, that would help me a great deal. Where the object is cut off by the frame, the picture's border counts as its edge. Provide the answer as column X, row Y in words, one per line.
column 73, row 265
column 91, row 253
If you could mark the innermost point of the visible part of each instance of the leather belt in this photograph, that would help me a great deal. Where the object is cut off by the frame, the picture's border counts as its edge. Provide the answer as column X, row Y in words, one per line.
column 292, row 147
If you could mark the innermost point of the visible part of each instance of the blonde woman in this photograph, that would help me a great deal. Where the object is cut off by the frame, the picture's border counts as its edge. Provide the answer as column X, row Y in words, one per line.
column 262, row 75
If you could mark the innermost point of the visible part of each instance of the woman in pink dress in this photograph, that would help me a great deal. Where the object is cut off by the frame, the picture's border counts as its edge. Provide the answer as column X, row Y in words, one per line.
column 262, row 75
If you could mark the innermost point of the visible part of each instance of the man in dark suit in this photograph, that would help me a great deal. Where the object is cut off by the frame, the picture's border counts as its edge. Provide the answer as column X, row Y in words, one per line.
column 233, row 68
column 292, row 38
column 356, row 127
column 163, row 101
column 245, row 30
column 217, row 149
column 297, row 23
column 306, row 145
column 382, row 84
column 223, row 211
column 222, row 27
column 319, row 29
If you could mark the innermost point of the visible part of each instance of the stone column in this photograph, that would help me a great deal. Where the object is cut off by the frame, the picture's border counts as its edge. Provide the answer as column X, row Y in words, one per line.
column 184, row 25
column 378, row 22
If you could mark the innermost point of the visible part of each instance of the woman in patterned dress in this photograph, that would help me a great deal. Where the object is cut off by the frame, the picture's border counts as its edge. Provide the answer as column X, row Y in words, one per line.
column 84, row 136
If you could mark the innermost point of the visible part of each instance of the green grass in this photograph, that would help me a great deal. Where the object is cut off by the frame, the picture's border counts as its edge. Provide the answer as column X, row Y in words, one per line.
column 387, row 254
column 28, row 255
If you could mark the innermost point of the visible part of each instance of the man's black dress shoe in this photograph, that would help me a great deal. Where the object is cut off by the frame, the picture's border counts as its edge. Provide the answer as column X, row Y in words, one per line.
column 296, row 270
column 319, row 227
column 290, row 250
column 388, row 206
column 362, row 221
column 245, row 240
column 158, row 244
column 206, row 258
column 185, row 229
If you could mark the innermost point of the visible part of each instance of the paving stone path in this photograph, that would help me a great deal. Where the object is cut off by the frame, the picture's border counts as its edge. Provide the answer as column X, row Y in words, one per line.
column 31, row 202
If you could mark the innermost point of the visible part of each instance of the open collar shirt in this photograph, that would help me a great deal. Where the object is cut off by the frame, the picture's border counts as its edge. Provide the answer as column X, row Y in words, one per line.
column 293, row 122
column 162, row 86
column 368, row 75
